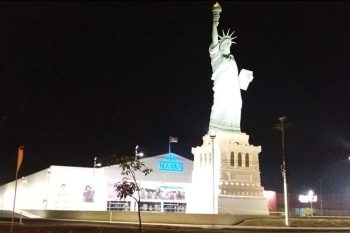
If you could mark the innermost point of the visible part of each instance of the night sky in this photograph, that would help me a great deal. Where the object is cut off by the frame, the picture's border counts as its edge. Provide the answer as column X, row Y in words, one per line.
column 79, row 80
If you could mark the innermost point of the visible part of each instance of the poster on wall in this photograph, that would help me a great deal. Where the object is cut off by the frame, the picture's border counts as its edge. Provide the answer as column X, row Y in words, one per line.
column 61, row 200
column 88, row 194
column 152, row 191
column 163, row 192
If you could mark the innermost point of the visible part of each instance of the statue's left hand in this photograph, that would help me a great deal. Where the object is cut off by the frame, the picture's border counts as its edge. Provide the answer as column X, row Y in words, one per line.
column 245, row 77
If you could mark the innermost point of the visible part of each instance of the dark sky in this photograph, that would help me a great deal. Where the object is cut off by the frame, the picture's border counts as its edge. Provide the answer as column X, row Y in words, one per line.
column 79, row 80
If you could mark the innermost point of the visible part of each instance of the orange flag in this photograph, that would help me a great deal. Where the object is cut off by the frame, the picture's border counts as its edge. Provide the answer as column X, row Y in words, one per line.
column 19, row 157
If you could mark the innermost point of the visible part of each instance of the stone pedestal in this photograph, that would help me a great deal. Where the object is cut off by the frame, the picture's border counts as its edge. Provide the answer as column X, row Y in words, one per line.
column 236, row 186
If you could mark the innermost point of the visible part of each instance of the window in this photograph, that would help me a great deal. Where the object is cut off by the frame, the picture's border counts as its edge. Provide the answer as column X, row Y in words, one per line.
column 239, row 159
column 118, row 205
column 174, row 207
column 247, row 160
column 232, row 159
column 150, row 206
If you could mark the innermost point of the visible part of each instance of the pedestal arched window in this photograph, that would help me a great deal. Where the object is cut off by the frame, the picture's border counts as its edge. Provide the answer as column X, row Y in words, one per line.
column 232, row 159
column 247, row 160
column 239, row 159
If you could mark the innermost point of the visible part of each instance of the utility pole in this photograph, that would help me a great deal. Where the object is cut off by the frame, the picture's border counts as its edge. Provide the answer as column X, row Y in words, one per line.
column 321, row 200
column 282, row 126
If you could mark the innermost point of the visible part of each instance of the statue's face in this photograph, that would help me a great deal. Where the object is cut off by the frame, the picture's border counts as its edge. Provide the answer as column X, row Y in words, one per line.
column 225, row 46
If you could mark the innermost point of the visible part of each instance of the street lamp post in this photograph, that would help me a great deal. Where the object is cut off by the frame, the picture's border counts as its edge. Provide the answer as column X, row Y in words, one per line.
column 321, row 204
column 311, row 198
column 47, row 187
column 310, row 194
column 96, row 164
column 136, row 152
column 282, row 127
column 212, row 137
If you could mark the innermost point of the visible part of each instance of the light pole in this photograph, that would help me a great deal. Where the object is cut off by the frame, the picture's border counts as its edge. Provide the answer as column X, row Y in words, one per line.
column 136, row 152
column 47, row 186
column 96, row 164
column 311, row 199
column 282, row 127
column 321, row 204
column 212, row 137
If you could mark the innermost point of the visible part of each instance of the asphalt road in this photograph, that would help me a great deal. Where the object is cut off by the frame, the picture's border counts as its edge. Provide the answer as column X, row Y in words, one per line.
column 59, row 226
column 40, row 225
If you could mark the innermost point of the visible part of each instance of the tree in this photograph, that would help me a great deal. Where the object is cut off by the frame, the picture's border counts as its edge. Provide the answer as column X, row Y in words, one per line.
column 129, row 185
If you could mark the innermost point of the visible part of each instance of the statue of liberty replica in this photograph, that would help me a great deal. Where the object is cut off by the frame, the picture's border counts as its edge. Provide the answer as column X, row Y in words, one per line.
column 226, row 173
column 226, row 110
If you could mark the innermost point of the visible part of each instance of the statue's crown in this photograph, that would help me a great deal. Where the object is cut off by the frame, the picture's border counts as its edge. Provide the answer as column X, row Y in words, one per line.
column 227, row 36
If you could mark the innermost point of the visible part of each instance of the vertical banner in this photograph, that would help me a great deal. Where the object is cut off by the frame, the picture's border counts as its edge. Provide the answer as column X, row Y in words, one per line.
column 19, row 162
column 19, row 158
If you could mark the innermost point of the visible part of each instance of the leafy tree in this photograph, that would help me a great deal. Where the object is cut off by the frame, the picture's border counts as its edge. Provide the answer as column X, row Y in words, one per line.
column 129, row 186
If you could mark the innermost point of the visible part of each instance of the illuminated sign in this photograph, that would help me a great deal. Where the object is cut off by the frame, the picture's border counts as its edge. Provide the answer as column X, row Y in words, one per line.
column 307, row 198
column 171, row 164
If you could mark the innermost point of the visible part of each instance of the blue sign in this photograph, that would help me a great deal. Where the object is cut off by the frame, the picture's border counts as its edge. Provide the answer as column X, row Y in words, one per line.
column 171, row 164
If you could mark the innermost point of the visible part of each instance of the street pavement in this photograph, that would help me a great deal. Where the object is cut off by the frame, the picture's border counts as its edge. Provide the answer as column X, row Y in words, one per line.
column 60, row 226
column 35, row 225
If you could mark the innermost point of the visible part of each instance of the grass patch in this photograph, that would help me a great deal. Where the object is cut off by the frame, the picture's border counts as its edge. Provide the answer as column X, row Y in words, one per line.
column 298, row 222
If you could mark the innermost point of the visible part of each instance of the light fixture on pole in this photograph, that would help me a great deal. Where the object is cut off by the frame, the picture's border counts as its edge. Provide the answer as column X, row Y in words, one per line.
column 96, row 164
column 212, row 137
column 281, row 126
column 138, row 154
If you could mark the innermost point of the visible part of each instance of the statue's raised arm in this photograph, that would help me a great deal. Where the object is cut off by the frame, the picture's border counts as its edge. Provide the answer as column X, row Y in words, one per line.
column 216, row 16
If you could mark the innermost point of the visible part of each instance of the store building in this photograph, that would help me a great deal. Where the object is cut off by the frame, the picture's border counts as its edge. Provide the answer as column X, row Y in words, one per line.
column 166, row 189
column 169, row 188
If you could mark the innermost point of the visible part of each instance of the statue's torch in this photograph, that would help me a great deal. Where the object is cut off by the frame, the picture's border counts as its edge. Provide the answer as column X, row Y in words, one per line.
column 216, row 12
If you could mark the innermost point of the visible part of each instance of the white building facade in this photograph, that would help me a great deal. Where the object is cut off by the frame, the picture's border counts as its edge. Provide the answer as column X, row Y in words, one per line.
column 169, row 188
column 166, row 189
